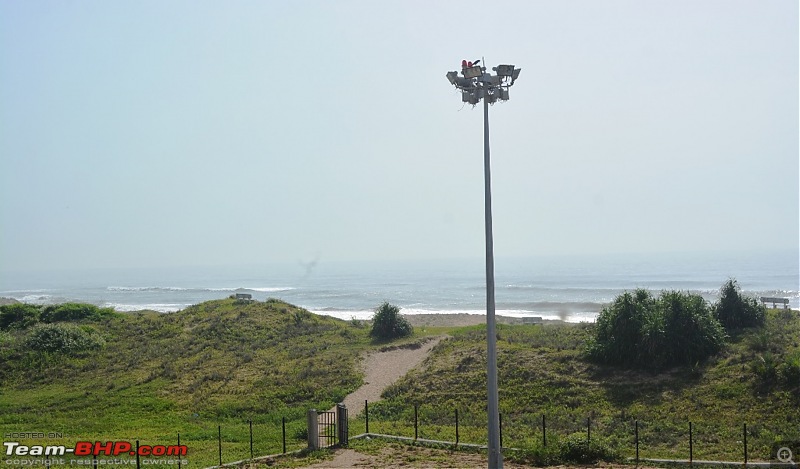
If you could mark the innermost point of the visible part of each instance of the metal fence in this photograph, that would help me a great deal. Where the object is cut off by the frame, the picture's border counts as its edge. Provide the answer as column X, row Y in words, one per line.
column 636, row 439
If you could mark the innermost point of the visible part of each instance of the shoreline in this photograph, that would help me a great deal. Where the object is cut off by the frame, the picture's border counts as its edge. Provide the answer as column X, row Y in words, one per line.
column 464, row 319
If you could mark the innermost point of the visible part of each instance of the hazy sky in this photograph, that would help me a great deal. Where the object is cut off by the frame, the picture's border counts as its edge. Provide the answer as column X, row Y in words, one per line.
column 152, row 133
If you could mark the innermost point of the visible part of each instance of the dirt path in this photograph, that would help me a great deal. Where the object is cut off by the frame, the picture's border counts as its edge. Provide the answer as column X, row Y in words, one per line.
column 384, row 368
column 381, row 369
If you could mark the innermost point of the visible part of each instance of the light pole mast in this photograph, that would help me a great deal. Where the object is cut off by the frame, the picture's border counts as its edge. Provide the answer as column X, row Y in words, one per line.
column 475, row 84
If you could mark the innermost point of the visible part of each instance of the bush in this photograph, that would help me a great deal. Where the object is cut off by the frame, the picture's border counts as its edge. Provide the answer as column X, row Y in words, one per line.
column 765, row 367
column 790, row 370
column 735, row 311
column 74, row 312
column 691, row 333
column 640, row 331
column 388, row 324
column 539, row 456
column 63, row 338
column 18, row 316
column 618, row 334
column 575, row 449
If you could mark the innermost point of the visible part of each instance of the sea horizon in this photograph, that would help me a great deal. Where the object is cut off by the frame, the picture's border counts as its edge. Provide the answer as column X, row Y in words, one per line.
column 571, row 288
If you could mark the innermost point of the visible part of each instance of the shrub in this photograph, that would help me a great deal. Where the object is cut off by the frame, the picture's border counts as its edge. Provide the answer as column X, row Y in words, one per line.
column 18, row 316
column 639, row 330
column 691, row 333
column 790, row 370
column 576, row 449
column 765, row 367
column 618, row 335
column 735, row 311
column 74, row 312
column 387, row 323
column 63, row 338
column 539, row 456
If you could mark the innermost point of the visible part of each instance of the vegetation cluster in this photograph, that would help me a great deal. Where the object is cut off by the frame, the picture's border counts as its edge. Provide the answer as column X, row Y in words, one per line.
column 51, row 328
column 388, row 324
column 23, row 315
column 677, row 328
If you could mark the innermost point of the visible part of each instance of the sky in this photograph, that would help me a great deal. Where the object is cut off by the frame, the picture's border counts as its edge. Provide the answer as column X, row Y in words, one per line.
column 151, row 133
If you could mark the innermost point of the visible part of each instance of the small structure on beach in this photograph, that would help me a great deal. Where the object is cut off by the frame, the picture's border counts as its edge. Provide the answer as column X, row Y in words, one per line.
column 775, row 301
column 532, row 320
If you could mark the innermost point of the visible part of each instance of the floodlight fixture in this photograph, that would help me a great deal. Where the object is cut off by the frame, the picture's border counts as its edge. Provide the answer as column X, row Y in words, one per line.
column 472, row 72
column 504, row 70
column 464, row 83
column 515, row 75
column 453, row 77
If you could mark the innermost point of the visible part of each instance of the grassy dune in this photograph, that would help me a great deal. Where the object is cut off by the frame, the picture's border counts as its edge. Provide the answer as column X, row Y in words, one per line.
column 222, row 363
column 217, row 363
column 542, row 370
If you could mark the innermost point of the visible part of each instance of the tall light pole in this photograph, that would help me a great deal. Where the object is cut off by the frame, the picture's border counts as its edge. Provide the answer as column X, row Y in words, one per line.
column 476, row 85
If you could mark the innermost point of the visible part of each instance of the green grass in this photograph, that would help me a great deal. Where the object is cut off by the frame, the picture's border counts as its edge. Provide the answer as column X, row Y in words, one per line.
column 222, row 363
column 543, row 370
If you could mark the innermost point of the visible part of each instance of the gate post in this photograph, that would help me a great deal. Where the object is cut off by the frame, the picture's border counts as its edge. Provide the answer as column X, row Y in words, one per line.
column 341, row 419
column 313, row 430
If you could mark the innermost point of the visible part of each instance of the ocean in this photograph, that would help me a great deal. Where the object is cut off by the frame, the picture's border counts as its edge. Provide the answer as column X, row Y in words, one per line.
column 570, row 288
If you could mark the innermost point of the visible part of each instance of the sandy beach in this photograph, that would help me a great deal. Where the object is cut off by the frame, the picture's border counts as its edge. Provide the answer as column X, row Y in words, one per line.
column 460, row 319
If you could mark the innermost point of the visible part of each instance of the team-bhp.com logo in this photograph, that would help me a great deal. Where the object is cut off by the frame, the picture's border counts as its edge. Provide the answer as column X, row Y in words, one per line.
column 97, row 448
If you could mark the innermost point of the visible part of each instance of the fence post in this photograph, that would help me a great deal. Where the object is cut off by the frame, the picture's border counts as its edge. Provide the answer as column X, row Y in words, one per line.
column 219, row 438
column 589, row 430
column 500, row 416
column 366, row 415
column 179, row 444
column 456, row 426
column 744, row 434
column 283, row 433
column 544, row 432
column 138, row 466
column 313, row 429
column 636, row 438
column 691, row 450
column 251, row 438
column 415, row 421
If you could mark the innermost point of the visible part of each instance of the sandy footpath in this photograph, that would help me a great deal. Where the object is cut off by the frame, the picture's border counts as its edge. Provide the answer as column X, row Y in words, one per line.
column 384, row 368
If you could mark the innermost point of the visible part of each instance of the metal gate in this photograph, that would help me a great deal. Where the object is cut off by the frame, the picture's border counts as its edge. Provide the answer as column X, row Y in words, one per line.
column 326, row 422
column 344, row 428
column 326, row 429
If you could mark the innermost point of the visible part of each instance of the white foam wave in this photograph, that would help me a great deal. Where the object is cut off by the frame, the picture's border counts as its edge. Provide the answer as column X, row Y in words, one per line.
column 35, row 298
column 32, row 290
column 199, row 289
column 159, row 307
column 344, row 314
